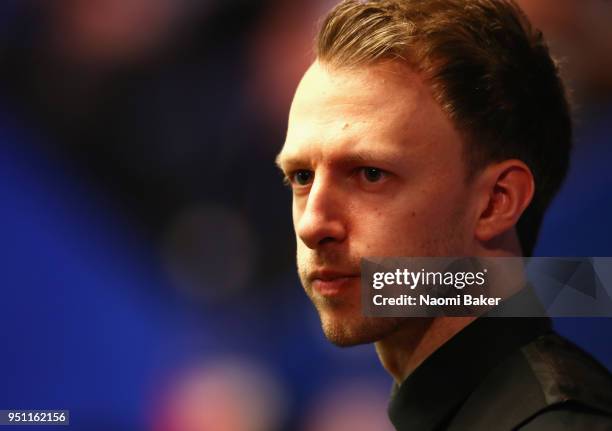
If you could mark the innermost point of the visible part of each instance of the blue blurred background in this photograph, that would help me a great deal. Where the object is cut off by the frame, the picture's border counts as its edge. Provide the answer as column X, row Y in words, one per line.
column 147, row 257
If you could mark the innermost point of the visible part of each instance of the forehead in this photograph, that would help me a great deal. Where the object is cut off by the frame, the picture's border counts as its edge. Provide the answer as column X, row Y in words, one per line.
column 383, row 106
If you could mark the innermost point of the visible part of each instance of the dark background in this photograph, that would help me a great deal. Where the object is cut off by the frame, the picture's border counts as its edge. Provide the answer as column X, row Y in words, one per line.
column 147, row 253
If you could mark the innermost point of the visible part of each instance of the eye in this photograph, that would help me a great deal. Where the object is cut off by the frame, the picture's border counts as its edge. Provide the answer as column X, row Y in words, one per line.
column 372, row 175
column 301, row 177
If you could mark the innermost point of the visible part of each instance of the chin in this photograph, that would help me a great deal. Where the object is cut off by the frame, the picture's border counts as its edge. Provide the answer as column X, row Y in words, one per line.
column 352, row 330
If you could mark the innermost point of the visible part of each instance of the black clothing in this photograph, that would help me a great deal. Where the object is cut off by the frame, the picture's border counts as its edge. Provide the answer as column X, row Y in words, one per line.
column 503, row 373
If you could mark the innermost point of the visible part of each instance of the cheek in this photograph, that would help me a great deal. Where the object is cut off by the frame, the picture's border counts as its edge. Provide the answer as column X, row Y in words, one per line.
column 422, row 224
column 300, row 247
column 303, row 255
column 383, row 232
column 295, row 212
column 296, row 215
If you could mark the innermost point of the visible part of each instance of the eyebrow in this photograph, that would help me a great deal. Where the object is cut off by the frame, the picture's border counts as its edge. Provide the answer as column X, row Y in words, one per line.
column 358, row 157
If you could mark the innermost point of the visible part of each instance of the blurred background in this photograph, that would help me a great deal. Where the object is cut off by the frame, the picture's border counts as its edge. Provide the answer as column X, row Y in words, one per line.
column 147, row 253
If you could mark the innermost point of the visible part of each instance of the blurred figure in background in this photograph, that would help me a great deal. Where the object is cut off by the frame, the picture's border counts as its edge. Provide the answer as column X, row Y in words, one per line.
column 580, row 34
column 349, row 406
column 229, row 395
column 102, row 33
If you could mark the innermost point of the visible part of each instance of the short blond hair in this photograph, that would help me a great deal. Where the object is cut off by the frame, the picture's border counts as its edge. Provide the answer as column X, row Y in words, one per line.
column 488, row 69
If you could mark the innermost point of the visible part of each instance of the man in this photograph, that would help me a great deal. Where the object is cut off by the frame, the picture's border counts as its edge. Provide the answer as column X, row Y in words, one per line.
column 437, row 128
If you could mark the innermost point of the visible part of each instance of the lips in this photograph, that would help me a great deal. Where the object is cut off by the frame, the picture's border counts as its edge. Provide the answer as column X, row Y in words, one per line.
column 332, row 282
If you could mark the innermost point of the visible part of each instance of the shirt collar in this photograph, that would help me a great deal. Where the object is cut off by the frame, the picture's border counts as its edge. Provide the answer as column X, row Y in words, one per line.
column 435, row 390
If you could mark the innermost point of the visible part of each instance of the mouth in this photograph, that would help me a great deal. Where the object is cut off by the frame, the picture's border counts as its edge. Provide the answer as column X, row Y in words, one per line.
column 332, row 283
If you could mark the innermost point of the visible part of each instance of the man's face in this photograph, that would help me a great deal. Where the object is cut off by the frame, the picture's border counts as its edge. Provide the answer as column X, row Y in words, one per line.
column 376, row 169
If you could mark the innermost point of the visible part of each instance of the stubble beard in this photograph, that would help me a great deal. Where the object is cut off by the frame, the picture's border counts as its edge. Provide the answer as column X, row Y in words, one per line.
column 342, row 318
column 343, row 322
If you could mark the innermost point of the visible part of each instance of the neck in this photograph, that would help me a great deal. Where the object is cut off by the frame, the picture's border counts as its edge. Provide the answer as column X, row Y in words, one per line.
column 404, row 350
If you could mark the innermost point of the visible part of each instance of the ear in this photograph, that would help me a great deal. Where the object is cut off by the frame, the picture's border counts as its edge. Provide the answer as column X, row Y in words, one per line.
column 507, row 189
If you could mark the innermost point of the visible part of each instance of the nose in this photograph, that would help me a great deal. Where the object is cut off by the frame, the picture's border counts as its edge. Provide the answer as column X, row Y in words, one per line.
column 322, row 220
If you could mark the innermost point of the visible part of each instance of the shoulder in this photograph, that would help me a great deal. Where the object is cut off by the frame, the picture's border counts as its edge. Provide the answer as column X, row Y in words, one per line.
column 569, row 417
column 548, row 381
column 577, row 390
column 565, row 373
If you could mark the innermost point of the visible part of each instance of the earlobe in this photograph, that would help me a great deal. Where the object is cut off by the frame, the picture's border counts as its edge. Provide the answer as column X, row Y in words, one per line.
column 508, row 188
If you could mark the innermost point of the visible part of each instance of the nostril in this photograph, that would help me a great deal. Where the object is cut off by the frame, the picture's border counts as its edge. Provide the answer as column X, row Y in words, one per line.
column 326, row 240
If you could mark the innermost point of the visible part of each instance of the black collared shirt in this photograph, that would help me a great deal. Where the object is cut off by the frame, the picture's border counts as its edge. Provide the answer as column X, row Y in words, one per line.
column 502, row 373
